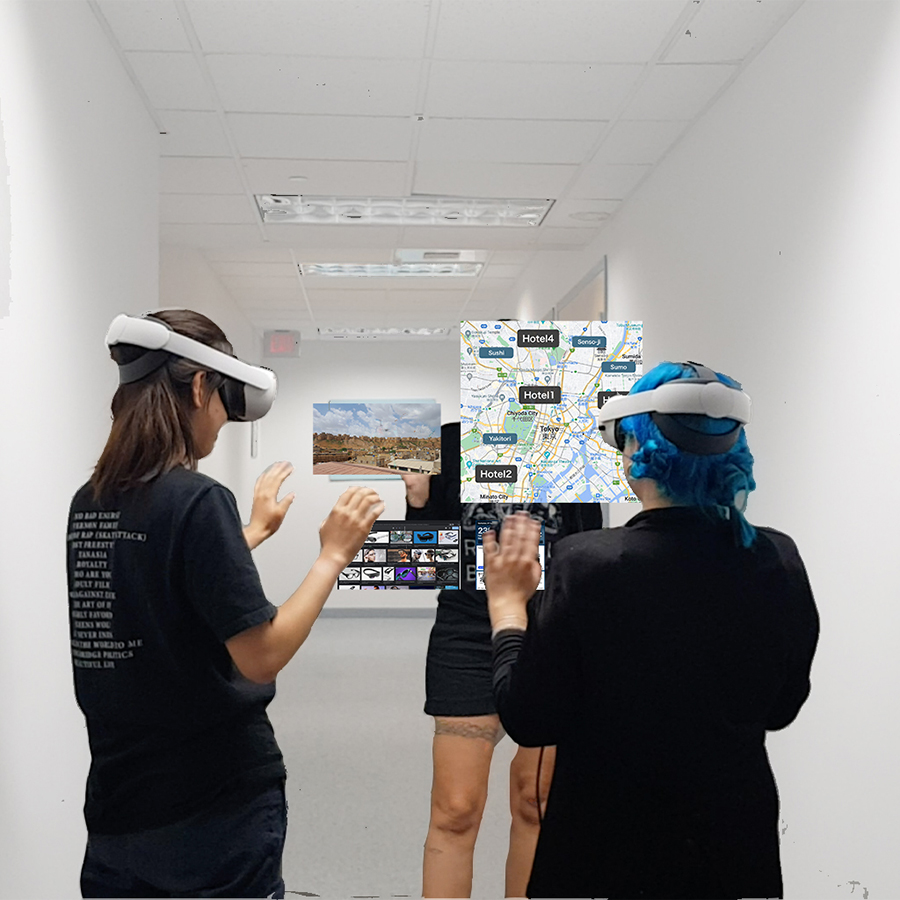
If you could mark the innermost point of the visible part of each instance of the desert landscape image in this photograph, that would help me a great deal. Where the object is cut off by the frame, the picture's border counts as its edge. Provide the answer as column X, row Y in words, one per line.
column 376, row 438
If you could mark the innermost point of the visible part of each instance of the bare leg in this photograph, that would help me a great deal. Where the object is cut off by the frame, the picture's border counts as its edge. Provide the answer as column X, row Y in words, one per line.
column 461, row 751
column 524, row 830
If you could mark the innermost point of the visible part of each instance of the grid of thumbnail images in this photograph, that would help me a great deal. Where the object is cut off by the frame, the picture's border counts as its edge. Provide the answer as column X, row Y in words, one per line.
column 399, row 555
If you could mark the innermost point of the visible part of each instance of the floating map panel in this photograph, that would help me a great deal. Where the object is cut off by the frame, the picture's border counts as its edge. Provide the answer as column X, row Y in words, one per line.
column 530, row 393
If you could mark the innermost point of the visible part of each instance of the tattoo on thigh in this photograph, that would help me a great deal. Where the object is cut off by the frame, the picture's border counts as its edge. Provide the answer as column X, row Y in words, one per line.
column 491, row 732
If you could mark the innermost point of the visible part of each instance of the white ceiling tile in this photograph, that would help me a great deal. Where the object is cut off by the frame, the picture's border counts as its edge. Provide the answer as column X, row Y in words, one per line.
column 206, row 236
column 567, row 237
column 511, row 257
column 248, row 288
column 487, row 309
column 171, row 80
column 145, row 24
column 263, row 302
column 468, row 238
column 678, row 91
column 218, row 209
column 346, row 299
column 260, row 254
column 474, row 89
column 192, row 134
column 346, row 178
column 333, row 237
column 315, row 85
column 495, row 285
column 480, row 179
column 255, row 269
column 600, row 181
column 563, row 210
column 264, row 319
column 388, row 29
column 554, row 30
column 509, row 141
column 423, row 300
column 198, row 175
column 728, row 32
column 321, row 137
column 499, row 270
column 639, row 142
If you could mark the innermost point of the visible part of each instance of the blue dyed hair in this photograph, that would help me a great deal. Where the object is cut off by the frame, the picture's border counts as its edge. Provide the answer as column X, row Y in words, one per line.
column 689, row 479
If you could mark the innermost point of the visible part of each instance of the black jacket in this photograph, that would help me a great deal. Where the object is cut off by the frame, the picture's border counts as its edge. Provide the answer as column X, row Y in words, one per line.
column 658, row 658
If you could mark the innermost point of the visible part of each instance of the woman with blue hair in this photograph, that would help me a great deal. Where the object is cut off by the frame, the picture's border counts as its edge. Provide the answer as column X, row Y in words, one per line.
column 661, row 654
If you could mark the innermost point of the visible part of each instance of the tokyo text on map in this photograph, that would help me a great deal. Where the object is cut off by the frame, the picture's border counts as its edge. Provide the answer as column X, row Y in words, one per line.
column 530, row 394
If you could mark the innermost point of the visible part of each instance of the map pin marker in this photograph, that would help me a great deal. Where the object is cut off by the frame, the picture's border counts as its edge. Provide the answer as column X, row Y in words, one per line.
column 469, row 351
column 469, row 375
column 468, row 334
column 547, row 378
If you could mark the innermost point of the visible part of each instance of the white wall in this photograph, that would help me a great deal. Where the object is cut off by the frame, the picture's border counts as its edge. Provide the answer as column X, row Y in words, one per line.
column 766, row 246
column 76, row 137
column 334, row 371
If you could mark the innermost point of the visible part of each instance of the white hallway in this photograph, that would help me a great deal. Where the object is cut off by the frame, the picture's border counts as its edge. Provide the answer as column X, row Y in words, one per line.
column 763, row 242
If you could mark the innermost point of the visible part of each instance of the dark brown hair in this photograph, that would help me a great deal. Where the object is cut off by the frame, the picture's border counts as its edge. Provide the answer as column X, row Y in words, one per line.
column 151, row 431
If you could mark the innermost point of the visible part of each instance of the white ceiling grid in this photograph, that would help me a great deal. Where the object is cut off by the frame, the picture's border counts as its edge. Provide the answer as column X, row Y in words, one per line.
column 571, row 100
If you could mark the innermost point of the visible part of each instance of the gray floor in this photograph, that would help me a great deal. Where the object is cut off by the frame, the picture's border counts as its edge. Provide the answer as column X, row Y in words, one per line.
column 348, row 716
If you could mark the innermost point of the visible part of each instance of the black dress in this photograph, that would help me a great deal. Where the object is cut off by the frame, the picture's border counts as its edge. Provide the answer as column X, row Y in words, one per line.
column 458, row 668
column 660, row 655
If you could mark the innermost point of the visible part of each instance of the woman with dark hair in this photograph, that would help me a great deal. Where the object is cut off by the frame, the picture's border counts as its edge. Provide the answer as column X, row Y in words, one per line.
column 459, row 696
column 175, row 647
column 662, row 653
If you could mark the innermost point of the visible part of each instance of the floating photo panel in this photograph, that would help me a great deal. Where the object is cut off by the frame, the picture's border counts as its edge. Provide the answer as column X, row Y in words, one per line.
column 376, row 438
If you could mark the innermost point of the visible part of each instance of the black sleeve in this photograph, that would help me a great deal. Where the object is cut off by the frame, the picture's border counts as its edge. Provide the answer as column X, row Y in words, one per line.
column 537, row 674
column 220, row 577
column 801, row 635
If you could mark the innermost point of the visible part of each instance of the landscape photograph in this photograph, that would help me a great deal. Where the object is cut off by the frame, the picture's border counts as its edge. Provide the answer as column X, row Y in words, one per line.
column 352, row 438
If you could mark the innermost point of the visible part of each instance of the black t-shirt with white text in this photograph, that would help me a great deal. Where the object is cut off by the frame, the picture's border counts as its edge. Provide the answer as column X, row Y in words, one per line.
column 159, row 578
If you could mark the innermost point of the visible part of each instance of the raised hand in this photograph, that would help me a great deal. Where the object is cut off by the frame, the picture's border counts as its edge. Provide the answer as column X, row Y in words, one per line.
column 512, row 570
column 348, row 525
column 268, row 511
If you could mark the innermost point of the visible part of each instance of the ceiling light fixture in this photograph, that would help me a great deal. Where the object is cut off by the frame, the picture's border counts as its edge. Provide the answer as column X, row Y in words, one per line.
column 396, row 334
column 392, row 270
column 422, row 210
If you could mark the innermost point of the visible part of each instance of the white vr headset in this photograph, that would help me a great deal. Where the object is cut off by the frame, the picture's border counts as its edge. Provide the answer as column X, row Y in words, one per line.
column 248, row 391
column 702, row 395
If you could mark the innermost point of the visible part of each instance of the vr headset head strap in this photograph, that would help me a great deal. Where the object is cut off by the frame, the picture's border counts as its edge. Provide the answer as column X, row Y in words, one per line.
column 248, row 391
column 141, row 367
column 702, row 394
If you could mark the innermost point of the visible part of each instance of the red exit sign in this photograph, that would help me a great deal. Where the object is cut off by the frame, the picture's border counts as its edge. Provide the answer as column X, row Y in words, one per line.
column 281, row 343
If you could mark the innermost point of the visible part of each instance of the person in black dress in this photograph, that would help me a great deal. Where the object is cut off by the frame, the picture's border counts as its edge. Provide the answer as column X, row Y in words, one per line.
column 660, row 655
column 459, row 695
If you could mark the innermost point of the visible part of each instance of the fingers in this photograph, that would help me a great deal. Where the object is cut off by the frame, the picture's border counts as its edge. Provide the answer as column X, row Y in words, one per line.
column 272, row 478
column 524, row 533
column 376, row 511
column 357, row 497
